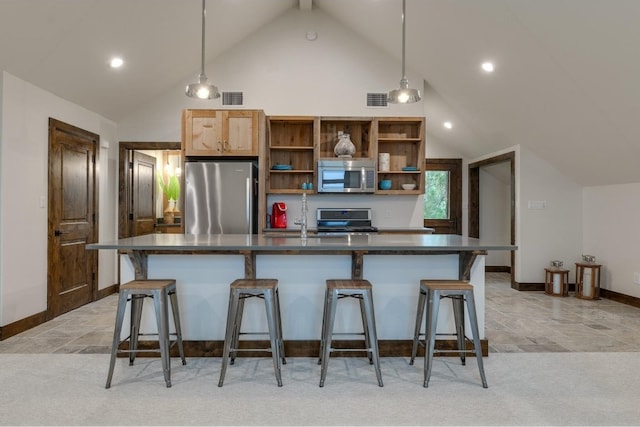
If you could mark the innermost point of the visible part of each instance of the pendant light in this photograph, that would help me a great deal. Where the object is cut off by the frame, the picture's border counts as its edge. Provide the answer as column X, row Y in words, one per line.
column 202, row 89
column 404, row 95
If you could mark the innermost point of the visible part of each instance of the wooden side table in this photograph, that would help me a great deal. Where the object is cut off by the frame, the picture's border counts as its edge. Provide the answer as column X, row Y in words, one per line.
column 556, row 282
column 587, row 280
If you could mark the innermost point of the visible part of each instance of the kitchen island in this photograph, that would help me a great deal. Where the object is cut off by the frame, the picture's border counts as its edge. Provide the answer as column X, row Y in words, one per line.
column 205, row 265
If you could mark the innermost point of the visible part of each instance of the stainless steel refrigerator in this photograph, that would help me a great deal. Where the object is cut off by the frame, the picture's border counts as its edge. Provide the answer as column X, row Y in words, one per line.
column 220, row 197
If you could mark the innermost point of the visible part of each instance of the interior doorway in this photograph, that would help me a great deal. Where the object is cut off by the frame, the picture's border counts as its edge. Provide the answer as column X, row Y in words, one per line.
column 475, row 198
column 139, row 198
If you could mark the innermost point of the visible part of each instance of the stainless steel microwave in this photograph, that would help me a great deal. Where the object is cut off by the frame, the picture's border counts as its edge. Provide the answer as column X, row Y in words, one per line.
column 346, row 176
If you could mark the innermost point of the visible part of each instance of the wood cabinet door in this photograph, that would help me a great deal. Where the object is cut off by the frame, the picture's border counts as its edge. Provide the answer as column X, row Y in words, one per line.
column 241, row 133
column 203, row 133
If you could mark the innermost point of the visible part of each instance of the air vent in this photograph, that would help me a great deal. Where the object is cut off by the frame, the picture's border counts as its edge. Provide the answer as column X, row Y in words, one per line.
column 377, row 100
column 232, row 98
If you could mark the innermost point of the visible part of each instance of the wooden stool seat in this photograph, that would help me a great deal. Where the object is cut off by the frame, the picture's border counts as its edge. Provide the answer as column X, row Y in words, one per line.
column 342, row 288
column 163, row 292
column 240, row 290
column 431, row 292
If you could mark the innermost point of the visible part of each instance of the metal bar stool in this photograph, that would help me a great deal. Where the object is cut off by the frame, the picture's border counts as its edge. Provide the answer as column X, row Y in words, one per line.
column 361, row 290
column 458, row 291
column 240, row 290
column 161, row 291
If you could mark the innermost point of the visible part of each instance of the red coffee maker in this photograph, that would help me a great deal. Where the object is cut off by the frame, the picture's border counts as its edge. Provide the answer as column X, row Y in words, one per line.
column 279, row 215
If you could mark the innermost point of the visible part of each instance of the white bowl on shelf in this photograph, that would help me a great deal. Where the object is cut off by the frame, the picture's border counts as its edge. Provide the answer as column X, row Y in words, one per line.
column 408, row 186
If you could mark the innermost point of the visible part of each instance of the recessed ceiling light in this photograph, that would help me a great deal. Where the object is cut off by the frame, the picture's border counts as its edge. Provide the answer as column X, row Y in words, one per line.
column 488, row 67
column 311, row 35
column 448, row 125
column 116, row 62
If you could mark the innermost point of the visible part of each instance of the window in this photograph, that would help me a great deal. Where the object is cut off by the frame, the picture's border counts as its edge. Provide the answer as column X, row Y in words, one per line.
column 436, row 199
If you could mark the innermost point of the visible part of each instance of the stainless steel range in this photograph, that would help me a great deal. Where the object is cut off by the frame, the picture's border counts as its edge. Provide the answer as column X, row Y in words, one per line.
column 344, row 221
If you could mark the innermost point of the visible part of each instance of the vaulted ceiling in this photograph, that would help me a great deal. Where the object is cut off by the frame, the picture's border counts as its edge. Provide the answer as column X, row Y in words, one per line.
column 564, row 86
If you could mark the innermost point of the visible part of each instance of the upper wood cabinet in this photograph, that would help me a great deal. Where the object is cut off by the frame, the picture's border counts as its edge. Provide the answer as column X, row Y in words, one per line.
column 221, row 132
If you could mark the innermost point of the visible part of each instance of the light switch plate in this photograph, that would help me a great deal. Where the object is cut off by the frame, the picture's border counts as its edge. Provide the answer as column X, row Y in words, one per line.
column 537, row 204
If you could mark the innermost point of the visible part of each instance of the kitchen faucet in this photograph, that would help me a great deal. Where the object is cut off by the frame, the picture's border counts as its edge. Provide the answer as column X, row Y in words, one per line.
column 302, row 222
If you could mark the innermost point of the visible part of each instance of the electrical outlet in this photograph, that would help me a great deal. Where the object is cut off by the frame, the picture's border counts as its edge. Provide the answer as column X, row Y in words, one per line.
column 387, row 214
column 636, row 278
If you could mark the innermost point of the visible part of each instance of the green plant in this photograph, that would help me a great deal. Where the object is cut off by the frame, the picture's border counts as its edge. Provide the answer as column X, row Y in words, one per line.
column 171, row 189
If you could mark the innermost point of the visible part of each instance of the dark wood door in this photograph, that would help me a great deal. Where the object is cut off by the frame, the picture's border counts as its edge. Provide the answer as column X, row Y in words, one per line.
column 143, row 193
column 72, row 218
column 448, row 219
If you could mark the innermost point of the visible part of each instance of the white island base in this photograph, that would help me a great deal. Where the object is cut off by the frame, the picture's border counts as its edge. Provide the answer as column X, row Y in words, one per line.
column 203, row 291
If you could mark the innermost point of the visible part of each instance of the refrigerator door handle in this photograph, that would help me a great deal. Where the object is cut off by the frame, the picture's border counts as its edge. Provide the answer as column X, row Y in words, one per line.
column 249, row 211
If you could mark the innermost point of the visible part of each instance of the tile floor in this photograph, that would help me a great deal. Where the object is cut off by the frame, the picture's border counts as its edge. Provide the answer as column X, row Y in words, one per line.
column 514, row 322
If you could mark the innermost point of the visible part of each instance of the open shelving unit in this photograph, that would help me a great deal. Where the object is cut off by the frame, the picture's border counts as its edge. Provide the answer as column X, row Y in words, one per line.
column 290, row 142
column 403, row 139
column 299, row 142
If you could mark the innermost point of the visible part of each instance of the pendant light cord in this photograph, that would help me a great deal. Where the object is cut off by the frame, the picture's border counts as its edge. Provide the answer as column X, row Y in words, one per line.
column 404, row 76
column 202, row 55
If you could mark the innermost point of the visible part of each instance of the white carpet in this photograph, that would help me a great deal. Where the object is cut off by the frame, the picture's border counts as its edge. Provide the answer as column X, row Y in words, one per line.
column 524, row 389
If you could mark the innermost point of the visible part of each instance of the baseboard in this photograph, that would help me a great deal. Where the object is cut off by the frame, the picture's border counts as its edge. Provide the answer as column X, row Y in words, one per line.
column 497, row 269
column 305, row 348
column 621, row 298
column 523, row 286
column 22, row 325
column 604, row 293
column 34, row 320
column 109, row 290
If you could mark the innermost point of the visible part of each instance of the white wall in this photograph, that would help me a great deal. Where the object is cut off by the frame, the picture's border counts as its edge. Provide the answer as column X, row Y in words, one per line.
column 23, row 188
column 611, row 232
column 554, row 232
column 495, row 210
column 543, row 235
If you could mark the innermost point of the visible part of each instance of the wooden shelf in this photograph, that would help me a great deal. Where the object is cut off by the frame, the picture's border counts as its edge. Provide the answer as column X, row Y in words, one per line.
column 289, row 148
column 398, row 140
column 396, row 192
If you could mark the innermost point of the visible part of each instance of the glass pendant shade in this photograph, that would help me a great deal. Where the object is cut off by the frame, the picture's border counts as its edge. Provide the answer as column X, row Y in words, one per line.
column 202, row 89
column 404, row 95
